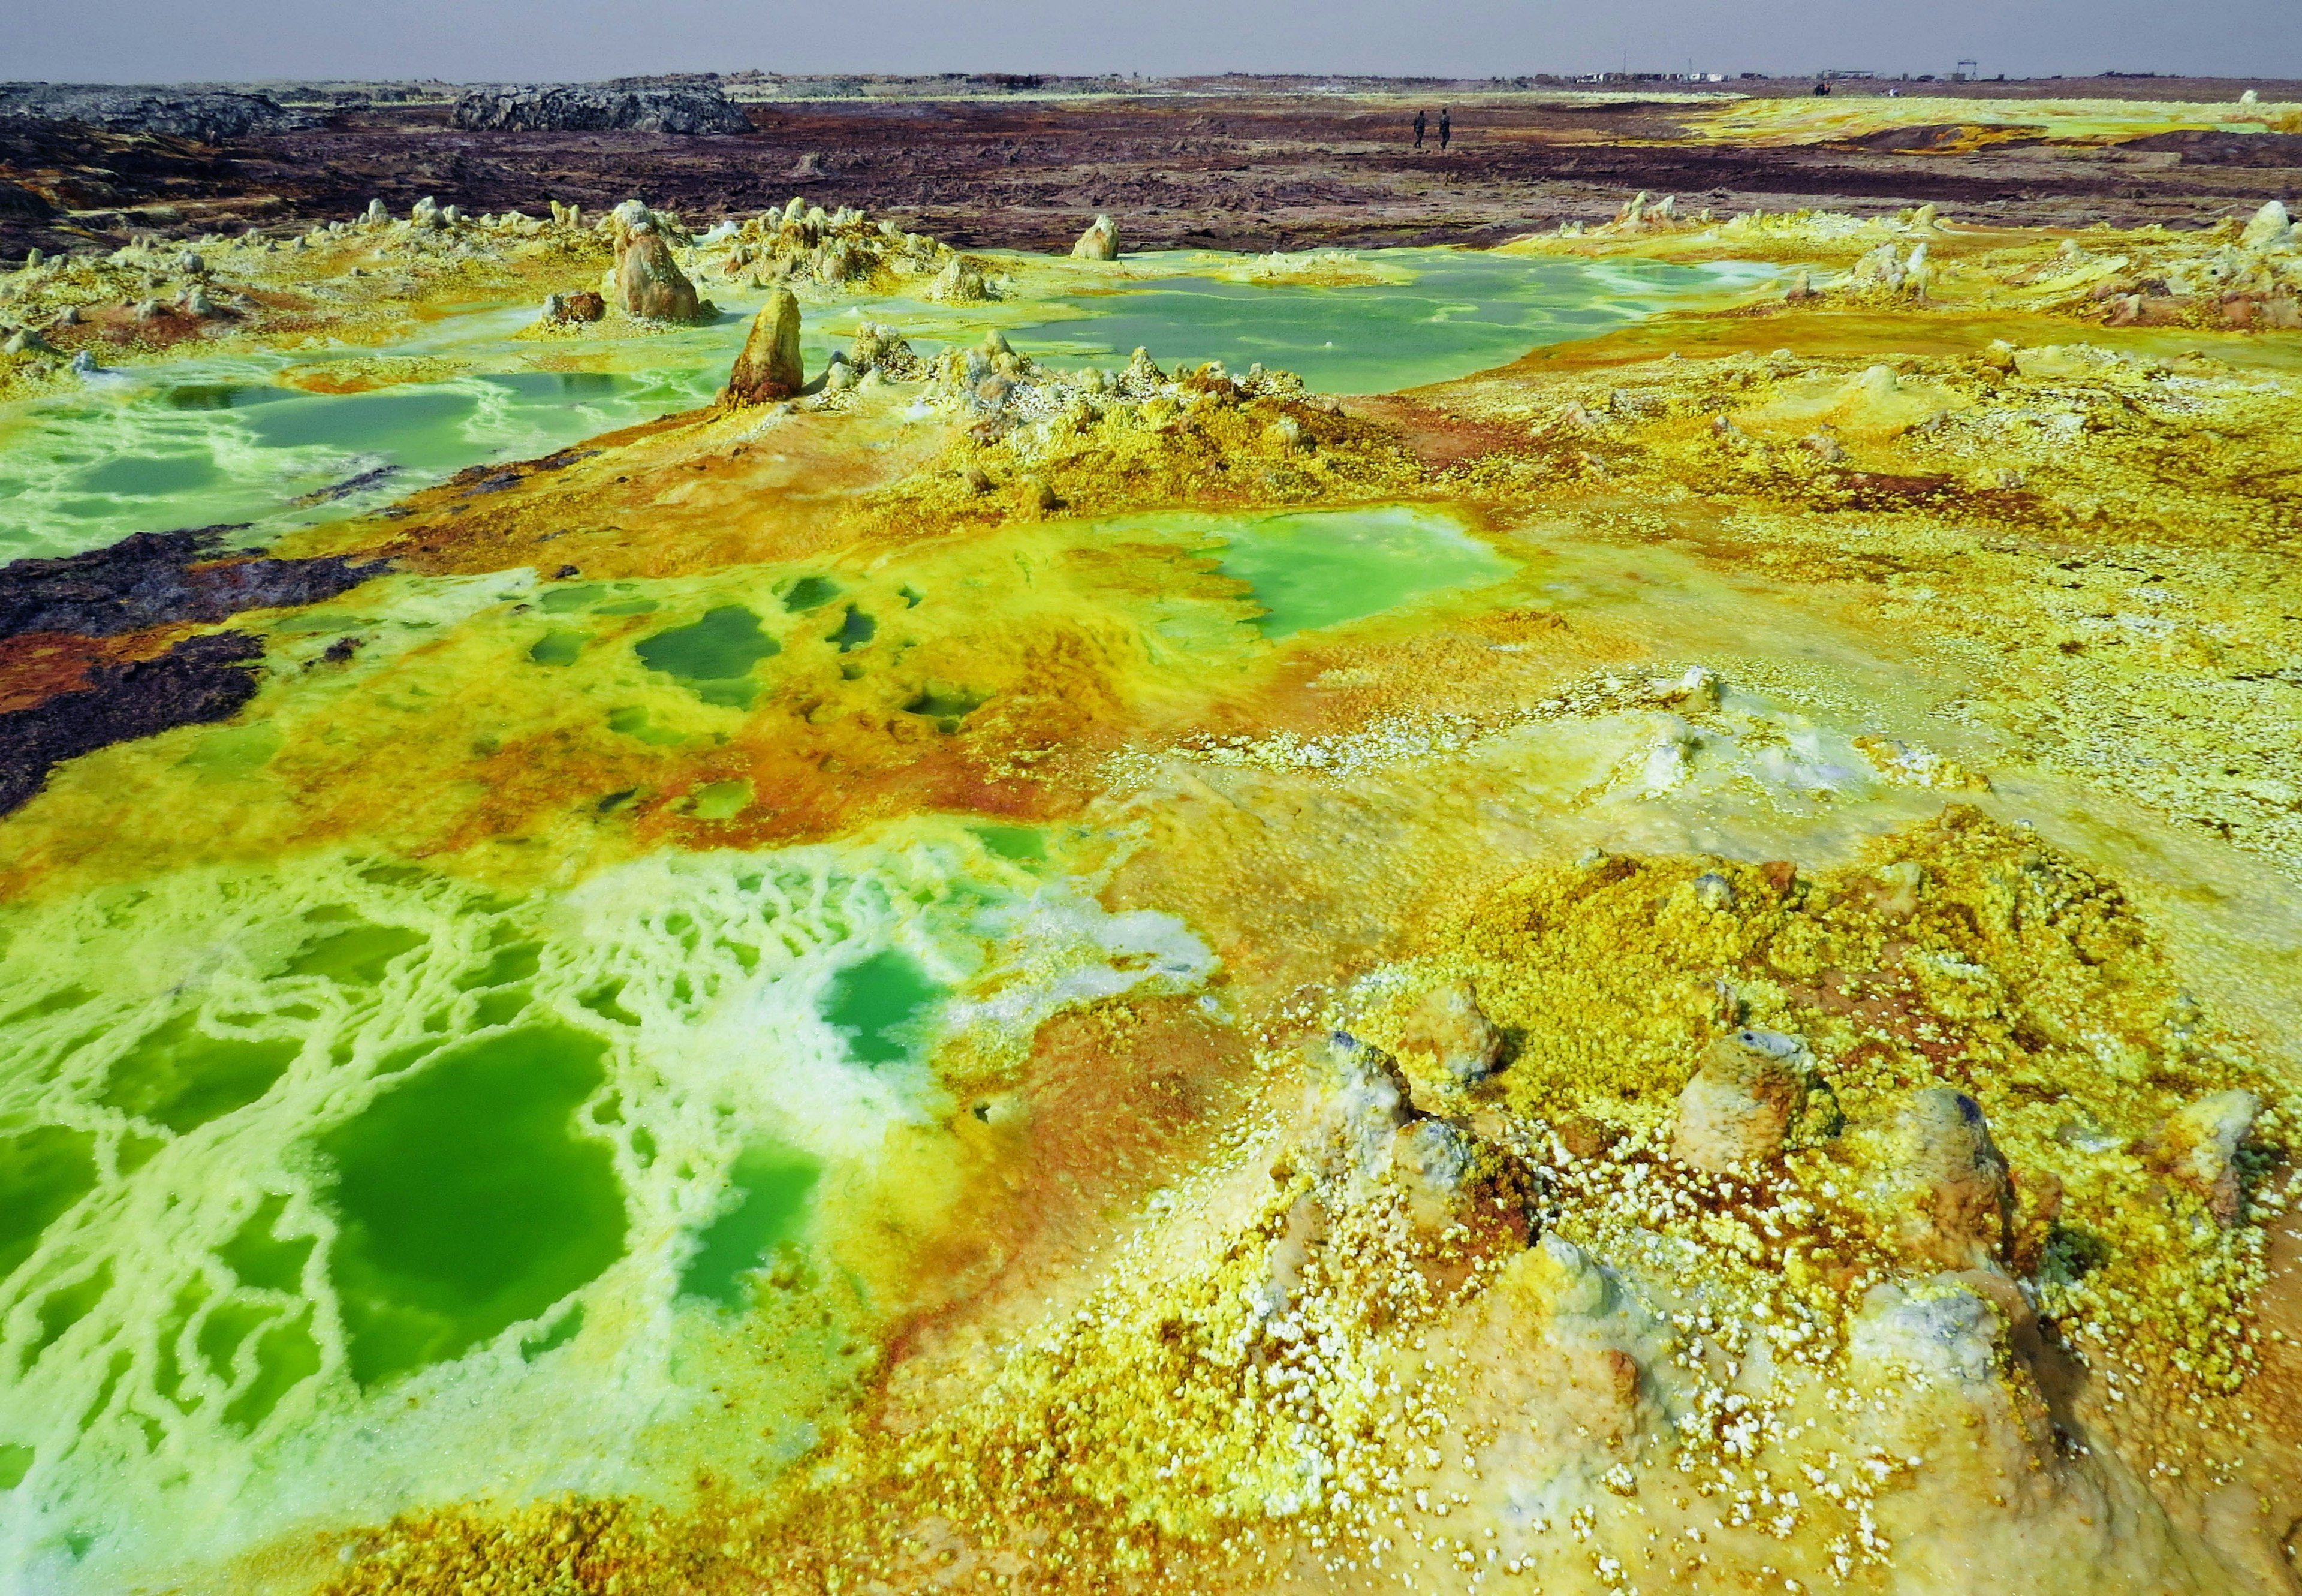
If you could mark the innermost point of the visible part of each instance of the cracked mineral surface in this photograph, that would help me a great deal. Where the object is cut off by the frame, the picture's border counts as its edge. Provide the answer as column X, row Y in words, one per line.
column 718, row 896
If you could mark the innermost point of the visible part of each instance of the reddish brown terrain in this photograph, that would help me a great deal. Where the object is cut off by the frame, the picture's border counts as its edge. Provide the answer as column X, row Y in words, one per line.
column 1235, row 167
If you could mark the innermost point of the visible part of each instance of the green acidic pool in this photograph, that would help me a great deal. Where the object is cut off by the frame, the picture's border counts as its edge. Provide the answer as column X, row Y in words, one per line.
column 768, row 1188
column 883, row 1004
column 712, row 657
column 1464, row 312
column 1325, row 567
column 209, row 440
column 203, row 442
column 469, row 1201
column 43, row 1172
column 1316, row 568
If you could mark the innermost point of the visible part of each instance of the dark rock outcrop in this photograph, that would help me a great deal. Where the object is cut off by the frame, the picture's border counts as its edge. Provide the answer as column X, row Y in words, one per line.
column 201, row 679
column 643, row 106
column 210, row 116
column 2200, row 146
column 161, row 579
column 19, row 204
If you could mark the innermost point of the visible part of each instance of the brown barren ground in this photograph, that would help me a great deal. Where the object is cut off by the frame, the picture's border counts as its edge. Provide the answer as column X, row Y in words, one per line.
column 1239, row 170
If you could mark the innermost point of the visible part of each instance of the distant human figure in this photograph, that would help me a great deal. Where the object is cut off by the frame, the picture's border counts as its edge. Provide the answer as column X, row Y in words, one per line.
column 1418, row 130
column 1822, row 88
column 1444, row 132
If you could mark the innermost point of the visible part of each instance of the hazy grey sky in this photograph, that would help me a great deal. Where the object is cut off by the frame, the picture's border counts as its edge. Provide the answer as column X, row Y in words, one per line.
column 167, row 40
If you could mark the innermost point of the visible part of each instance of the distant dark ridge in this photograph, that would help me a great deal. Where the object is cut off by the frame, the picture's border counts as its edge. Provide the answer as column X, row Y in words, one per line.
column 208, row 115
column 641, row 106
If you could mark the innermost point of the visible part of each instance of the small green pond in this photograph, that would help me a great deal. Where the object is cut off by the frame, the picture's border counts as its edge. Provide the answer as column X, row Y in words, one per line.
column 469, row 1199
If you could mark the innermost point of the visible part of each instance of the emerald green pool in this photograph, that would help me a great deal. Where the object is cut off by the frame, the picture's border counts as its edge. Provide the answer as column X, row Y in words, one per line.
column 470, row 1200
column 768, row 1189
column 713, row 657
column 1308, row 570
column 1465, row 311
column 1325, row 567
column 882, row 1006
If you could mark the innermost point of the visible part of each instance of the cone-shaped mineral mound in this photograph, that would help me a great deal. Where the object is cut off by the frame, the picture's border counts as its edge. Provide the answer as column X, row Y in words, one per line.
column 649, row 284
column 1100, row 241
column 770, row 366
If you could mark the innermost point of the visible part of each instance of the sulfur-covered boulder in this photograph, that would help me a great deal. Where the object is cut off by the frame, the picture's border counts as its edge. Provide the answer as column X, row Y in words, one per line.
column 650, row 286
column 960, row 282
column 2198, row 1146
column 1945, row 1189
column 1449, row 1026
column 2269, row 228
column 1100, row 241
column 1738, row 1107
column 770, row 366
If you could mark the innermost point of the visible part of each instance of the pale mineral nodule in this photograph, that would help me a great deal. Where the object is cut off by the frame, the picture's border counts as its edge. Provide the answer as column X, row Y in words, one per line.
column 1663, row 966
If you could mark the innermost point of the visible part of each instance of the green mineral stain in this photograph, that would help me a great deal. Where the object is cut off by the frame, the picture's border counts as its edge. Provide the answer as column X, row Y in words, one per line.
column 286, row 1356
column 233, row 753
column 356, row 956
column 720, row 800
column 181, row 1076
column 261, row 1257
column 629, row 606
column 810, row 593
column 1022, row 844
column 564, row 1330
column 557, row 647
column 713, row 658
column 1324, row 568
column 633, row 721
column 882, row 1003
column 470, row 1200
column 15, row 1463
column 67, row 1305
column 43, row 1173
column 567, row 601
column 855, row 630
column 770, row 1187
column 313, row 621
